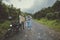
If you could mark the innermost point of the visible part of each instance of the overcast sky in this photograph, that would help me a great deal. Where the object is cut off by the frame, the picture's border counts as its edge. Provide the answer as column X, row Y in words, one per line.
column 30, row 6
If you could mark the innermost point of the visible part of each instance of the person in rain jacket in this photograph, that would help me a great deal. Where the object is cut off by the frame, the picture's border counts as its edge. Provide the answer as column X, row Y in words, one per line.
column 29, row 21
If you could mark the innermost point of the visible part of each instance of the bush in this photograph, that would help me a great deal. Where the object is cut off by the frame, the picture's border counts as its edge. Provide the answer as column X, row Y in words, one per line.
column 5, row 25
column 55, row 24
column 50, row 16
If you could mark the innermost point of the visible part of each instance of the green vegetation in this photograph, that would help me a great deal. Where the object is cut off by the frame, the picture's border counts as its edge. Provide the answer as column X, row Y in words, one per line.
column 3, row 27
column 54, row 24
column 49, row 16
column 7, row 11
column 50, row 13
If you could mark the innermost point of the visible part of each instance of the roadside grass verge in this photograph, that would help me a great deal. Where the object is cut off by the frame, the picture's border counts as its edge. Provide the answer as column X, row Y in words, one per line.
column 54, row 24
column 3, row 27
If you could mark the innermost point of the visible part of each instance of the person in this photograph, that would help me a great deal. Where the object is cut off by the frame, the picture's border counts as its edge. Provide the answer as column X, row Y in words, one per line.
column 29, row 22
column 21, row 21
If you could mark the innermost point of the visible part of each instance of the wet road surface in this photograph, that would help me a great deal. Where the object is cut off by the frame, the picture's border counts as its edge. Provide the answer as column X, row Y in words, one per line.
column 38, row 32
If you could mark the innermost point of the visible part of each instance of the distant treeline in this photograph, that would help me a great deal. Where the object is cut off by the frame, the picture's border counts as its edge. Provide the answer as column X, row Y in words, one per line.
column 50, row 12
column 8, row 10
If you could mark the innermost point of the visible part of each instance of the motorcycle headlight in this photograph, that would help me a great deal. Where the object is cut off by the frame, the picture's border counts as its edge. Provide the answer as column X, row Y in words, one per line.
column 10, row 25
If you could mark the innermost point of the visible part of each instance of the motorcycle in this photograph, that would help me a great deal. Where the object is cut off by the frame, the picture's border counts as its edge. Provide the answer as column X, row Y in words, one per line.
column 14, row 28
column 9, row 33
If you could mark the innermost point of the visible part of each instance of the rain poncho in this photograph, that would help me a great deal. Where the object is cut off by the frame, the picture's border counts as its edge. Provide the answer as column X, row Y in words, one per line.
column 29, row 21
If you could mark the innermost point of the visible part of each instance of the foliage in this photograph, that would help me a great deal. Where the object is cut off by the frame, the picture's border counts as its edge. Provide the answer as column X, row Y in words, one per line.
column 50, row 16
column 50, row 12
column 5, row 12
column 55, row 24
column 8, row 10
column 3, row 27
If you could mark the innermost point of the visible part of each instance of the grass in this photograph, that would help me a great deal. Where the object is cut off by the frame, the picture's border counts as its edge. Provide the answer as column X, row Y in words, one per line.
column 3, row 27
column 55, row 24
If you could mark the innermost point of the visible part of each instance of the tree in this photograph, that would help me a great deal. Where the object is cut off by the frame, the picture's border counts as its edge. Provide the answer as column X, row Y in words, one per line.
column 56, row 6
column 50, row 12
column 8, row 10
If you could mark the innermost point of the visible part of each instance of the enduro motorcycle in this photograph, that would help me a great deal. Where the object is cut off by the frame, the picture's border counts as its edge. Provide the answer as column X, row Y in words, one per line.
column 17, row 26
column 14, row 28
column 9, row 33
